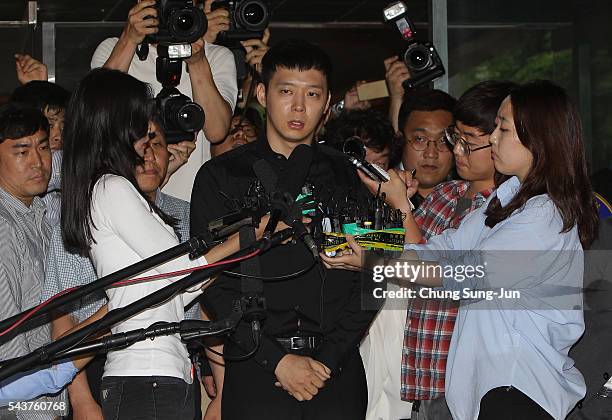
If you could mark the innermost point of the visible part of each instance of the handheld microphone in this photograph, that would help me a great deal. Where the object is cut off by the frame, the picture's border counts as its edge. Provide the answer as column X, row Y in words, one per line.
column 354, row 149
column 300, row 232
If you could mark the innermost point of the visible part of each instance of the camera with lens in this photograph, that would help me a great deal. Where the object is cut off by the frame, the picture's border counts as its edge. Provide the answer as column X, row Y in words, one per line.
column 180, row 22
column 179, row 115
column 248, row 19
column 421, row 58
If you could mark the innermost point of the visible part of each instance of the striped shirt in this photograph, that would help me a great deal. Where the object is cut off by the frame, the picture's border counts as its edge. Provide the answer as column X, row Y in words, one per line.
column 24, row 235
column 52, row 198
column 65, row 270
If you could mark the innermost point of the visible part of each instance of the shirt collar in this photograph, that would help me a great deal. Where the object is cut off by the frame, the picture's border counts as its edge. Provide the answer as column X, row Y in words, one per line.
column 483, row 195
column 159, row 199
column 508, row 190
column 460, row 188
column 17, row 205
column 263, row 146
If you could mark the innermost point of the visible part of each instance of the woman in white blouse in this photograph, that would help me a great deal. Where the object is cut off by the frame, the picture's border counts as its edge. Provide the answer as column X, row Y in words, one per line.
column 107, row 217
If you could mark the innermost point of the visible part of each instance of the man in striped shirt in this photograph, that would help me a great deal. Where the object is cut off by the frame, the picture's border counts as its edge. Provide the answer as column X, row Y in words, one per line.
column 51, row 99
column 25, row 168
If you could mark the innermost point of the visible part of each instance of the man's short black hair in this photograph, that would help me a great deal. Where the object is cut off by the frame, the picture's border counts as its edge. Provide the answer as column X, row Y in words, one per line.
column 18, row 121
column 424, row 100
column 41, row 95
column 370, row 125
column 295, row 54
column 478, row 106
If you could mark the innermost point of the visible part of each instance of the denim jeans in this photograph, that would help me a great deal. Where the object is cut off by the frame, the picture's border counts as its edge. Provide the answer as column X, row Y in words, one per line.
column 146, row 397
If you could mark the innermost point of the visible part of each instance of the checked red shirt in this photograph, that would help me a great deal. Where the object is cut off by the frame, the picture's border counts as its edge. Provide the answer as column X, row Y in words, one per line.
column 430, row 323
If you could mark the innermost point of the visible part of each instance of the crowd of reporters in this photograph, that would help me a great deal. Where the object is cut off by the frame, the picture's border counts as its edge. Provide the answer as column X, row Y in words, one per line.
column 123, row 194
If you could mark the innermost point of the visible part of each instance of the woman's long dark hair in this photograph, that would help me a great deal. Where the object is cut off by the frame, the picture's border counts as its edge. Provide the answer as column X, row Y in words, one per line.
column 548, row 125
column 109, row 111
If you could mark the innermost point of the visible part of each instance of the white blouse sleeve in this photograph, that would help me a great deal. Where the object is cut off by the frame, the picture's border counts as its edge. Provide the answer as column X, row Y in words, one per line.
column 119, row 206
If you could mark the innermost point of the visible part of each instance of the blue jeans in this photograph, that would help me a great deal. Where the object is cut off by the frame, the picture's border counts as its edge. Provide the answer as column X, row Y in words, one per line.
column 146, row 397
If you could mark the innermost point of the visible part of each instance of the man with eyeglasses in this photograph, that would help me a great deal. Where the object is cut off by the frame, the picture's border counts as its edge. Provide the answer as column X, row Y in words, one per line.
column 242, row 131
column 430, row 323
column 423, row 117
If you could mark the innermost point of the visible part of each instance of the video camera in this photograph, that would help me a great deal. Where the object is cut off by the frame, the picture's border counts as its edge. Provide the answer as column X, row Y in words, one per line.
column 248, row 19
column 421, row 58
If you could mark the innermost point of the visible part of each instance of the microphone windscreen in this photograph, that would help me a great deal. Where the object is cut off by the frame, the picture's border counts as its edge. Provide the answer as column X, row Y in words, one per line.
column 266, row 175
column 296, row 170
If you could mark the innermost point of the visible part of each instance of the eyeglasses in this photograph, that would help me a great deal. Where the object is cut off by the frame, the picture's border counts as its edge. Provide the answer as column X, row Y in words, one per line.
column 420, row 143
column 455, row 139
column 247, row 129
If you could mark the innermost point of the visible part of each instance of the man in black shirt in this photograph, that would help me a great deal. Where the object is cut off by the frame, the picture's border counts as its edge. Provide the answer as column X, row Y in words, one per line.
column 308, row 365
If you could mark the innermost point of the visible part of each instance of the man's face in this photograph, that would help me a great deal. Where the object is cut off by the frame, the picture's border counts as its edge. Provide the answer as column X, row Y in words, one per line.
column 154, row 150
column 240, row 134
column 434, row 162
column 25, row 166
column 56, row 127
column 478, row 165
column 295, row 102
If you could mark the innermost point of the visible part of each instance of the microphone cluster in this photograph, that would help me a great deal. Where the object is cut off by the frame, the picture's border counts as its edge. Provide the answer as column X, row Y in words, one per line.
column 373, row 223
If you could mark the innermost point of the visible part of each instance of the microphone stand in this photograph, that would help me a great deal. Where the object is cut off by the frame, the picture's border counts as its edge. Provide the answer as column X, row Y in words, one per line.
column 46, row 353
column 188, row 330
column 195, row 246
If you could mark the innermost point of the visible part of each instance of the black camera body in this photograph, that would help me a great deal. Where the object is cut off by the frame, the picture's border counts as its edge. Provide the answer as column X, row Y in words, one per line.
column 179, row 115
column 421, row 58
column 424, row 64
column 248, row 19
column 180, row 22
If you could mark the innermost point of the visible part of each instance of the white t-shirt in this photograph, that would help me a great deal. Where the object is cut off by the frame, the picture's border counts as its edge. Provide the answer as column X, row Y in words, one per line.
column 223, row 69
column 381, row 352
column 125, row 234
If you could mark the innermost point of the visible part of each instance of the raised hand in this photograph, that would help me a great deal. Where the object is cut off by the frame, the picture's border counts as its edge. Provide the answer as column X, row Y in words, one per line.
column 351, row 98
column 29, row 69
column 396, row 73
column 142, row 21
column 256, row 49
column 218, row 21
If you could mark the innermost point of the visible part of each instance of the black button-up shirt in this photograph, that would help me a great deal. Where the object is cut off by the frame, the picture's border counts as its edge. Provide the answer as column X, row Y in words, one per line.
column 303, row 305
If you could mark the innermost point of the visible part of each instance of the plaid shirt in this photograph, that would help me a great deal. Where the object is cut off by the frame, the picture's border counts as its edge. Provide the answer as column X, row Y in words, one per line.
column 430, row 323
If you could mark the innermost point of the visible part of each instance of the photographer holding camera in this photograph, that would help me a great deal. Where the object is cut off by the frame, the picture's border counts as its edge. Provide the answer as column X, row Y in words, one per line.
column 396, row 72
column 418, row 65
column 209, row 78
